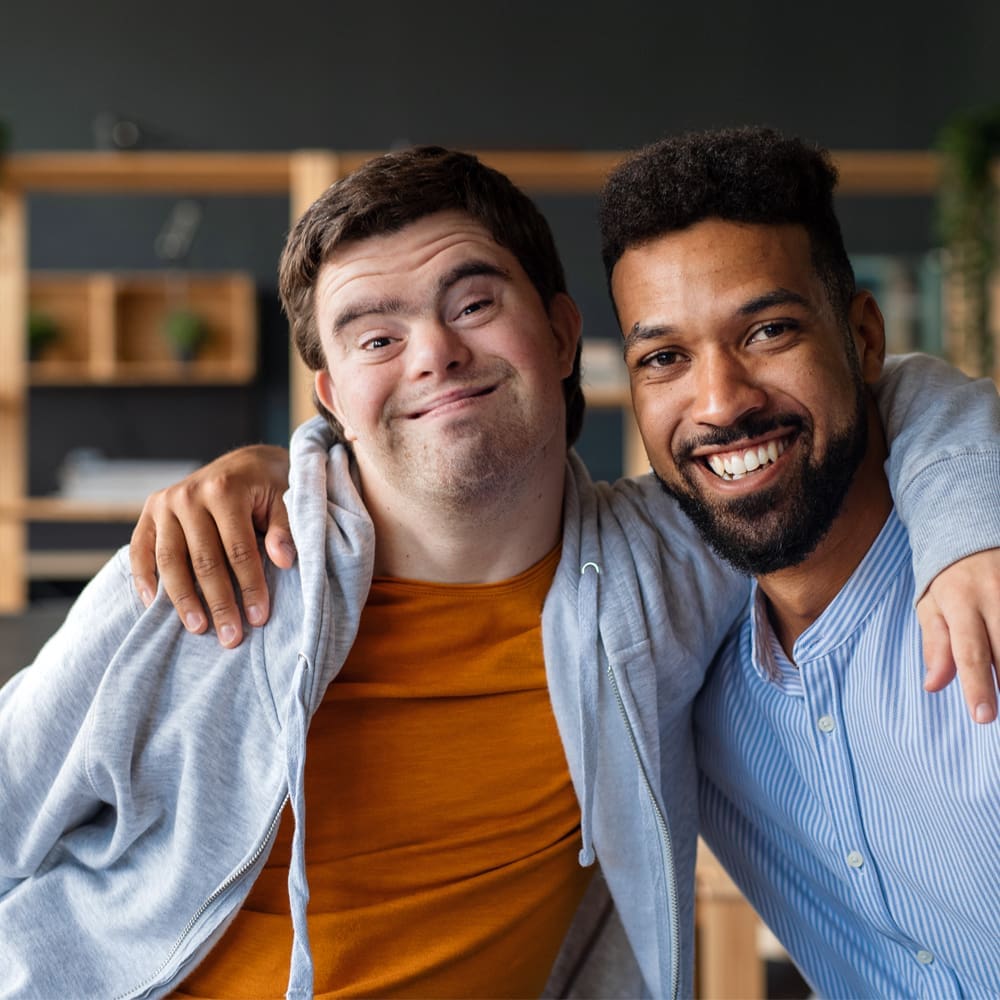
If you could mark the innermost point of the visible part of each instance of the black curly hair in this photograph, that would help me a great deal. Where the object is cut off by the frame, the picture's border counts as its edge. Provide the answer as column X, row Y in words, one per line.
column 751, row 175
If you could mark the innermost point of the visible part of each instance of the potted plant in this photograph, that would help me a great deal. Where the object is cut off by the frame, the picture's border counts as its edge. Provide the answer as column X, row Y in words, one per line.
column 186, row 332
column 967, row 222
column 42, row 331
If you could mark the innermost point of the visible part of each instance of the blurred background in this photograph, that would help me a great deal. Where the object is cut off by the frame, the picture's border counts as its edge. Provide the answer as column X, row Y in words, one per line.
column 156, row 335
column 558, row 76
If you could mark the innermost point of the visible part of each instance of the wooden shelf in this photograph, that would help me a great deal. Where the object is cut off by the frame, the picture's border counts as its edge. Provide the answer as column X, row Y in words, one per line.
column 58, row 509
column 110, row 328
column 66, row 564
column 149, row 172
column 607, row 397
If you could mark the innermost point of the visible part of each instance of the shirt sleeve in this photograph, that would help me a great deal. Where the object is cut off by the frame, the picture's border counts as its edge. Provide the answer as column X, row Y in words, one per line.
column 943, row 432
column 45, row 713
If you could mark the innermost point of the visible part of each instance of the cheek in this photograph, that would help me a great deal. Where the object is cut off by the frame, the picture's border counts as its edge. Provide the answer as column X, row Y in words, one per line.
column 658, row 423
column 359, row 403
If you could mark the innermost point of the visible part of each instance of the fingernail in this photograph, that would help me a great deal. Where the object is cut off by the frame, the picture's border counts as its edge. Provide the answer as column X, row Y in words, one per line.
column 289, row 550
column 193, row 621
column 254, row 615
column 146, row 596
column 984, row 713
column 227, row 633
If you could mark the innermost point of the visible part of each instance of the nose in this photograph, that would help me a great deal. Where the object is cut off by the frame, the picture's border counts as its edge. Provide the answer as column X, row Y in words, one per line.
column 436, row 348
column 725, row 390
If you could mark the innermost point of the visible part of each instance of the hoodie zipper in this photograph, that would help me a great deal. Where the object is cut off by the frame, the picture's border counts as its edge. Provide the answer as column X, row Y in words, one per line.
column 666, row 841
column 226, row 885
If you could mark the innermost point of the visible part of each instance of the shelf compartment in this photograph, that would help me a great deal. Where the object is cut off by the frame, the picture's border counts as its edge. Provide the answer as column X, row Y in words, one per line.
column 81, row 307
column 224, row 303
column 111, row 328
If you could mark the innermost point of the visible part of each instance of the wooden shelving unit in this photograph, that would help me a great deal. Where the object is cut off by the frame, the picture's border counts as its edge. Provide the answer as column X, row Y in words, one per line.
column 101, row 350
column 109, row 323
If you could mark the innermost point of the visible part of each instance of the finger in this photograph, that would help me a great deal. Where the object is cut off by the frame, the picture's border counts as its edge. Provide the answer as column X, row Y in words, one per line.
column 278, row 540
column 973, row 660
column 993, row 630
column 142, row 557
column 938, row 662
column 175, row 574
column 240, row 543
column 206, row 553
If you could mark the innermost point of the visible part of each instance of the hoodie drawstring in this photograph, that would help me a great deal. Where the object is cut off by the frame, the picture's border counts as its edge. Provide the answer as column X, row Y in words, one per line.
column 300, row 981
column 589, row 666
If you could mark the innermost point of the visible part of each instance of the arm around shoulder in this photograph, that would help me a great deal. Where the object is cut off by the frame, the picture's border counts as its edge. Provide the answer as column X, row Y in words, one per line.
column 943, row 431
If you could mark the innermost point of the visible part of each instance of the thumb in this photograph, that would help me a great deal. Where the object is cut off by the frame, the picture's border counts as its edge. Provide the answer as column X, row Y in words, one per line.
column 278, row 541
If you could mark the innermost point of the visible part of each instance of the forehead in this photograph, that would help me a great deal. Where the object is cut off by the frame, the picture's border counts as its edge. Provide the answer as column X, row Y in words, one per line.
column 409, row 257
column 713, row 262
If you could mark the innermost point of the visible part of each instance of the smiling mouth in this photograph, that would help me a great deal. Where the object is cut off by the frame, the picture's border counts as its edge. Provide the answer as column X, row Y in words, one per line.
column 732, row 465
column 460, row 397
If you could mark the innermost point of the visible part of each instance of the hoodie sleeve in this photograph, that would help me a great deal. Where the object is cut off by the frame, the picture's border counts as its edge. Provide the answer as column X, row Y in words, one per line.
column 44, row 724
column 943, row 432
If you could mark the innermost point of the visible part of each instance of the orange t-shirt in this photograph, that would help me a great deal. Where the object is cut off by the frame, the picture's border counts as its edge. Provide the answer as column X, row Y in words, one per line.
column 442, row 830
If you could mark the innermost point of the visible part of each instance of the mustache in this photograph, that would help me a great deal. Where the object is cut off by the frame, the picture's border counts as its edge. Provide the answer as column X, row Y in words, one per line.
column 747, row 427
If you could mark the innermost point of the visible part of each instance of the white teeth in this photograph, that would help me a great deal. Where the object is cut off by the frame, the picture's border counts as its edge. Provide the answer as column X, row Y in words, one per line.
column 735, row 465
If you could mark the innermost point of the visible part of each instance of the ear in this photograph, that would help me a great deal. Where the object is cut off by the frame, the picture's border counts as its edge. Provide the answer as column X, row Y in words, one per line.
column 567, row 324
column 326, row 393
column 868, row 331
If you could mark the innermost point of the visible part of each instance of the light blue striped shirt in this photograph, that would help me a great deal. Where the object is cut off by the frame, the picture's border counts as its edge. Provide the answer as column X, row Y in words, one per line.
column 858, row 813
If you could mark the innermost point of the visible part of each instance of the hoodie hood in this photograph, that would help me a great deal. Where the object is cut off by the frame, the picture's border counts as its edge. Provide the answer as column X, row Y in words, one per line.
column 335, row 540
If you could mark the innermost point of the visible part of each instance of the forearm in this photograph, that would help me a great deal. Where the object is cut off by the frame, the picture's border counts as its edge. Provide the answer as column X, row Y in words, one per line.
column 943, row 431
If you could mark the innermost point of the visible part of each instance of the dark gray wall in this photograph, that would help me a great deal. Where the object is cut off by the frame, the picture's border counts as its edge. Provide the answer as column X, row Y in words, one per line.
column 273, row 76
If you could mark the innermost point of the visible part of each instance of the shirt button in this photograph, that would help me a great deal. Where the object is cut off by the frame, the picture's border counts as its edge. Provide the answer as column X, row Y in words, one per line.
column 924, row 957
column 855, row 860
column 826, row 724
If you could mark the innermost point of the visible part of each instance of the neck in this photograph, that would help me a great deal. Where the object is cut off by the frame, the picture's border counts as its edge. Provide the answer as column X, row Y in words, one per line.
column 492, row 539
column 798, row 595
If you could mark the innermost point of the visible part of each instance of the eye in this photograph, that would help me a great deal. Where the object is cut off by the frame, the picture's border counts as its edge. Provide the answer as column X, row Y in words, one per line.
column 375, row 343
column 665, row 358
column 771, row 330
column 474, row 307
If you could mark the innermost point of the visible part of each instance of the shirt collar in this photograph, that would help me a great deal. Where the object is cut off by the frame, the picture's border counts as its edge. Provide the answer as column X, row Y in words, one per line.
column 888, row 555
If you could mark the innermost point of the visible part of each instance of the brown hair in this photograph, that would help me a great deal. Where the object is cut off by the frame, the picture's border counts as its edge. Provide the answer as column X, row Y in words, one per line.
column 391, row 192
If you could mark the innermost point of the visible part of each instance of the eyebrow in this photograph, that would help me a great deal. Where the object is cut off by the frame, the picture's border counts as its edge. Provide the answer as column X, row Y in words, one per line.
column 471, row 269
column 639, row 333
column 777, row 297
column 395, row 306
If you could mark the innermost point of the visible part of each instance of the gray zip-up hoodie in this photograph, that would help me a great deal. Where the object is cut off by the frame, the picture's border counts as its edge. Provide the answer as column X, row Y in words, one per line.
column 143, row 770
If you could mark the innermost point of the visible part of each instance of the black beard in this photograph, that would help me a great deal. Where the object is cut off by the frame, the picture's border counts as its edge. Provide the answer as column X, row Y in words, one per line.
column 779, row 527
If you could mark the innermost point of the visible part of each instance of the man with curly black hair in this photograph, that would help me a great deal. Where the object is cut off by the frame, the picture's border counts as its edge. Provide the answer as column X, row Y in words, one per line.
column 845, row 803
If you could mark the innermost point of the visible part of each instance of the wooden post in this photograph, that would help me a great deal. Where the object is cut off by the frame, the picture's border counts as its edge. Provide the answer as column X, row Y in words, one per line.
column 729, row 966
column 13, row 399
column 311, row 173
